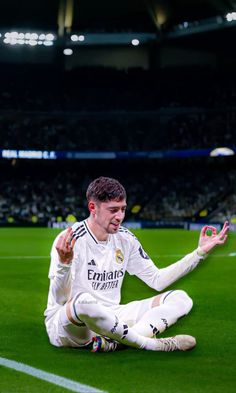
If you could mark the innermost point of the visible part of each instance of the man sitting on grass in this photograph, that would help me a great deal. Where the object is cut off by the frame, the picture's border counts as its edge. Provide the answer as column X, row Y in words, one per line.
column 88, row 265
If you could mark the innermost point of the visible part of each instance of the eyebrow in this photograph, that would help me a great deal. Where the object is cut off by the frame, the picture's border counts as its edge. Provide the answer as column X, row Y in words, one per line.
column 117, row 207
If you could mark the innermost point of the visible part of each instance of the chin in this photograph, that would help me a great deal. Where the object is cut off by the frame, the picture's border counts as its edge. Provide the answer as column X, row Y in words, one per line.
column 114, row 230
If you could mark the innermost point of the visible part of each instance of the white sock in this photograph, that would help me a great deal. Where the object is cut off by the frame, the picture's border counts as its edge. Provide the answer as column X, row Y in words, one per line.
column 174, row 305
column 103, row 321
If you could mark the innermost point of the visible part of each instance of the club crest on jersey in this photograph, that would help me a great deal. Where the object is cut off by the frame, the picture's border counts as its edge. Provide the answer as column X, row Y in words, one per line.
column 119, row 256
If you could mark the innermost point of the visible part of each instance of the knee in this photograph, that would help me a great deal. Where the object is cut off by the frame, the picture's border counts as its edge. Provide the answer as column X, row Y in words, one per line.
column 84, row 305
column 181, row 299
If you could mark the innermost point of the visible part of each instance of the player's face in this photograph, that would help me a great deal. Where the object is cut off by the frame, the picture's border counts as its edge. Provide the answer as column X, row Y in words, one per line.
column 109, row 215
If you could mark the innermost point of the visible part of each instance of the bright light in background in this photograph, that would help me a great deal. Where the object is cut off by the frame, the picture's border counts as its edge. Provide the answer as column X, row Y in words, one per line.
column 231, row 16
column 222, row 151
column 76, row 37
column 33, row 42
column 32, row 39
column 68, row 52
column 48, row 43
column 49, row 37
column 34, row 36
column 135, row 42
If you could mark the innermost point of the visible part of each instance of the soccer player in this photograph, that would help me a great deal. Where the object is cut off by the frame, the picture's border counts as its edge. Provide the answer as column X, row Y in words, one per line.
column 88, row 265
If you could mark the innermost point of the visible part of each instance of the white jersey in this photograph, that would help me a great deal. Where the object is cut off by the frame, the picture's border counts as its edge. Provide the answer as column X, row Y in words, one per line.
column 99, row 268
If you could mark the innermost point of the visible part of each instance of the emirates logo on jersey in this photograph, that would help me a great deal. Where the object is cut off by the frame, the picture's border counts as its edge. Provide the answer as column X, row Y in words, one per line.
column 119, row 256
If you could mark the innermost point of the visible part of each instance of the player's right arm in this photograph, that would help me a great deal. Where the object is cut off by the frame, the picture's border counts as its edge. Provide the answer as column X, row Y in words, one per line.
column 64, row 246
column 60, row 270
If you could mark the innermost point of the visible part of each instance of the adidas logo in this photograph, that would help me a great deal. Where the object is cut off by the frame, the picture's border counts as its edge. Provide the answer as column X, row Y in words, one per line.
column 92, row 262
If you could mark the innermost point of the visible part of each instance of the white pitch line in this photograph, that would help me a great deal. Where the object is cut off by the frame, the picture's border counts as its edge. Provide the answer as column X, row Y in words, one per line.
column 52, row 378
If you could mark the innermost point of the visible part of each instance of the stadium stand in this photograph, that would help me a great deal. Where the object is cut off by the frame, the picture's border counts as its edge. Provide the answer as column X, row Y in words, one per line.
column 185, row 110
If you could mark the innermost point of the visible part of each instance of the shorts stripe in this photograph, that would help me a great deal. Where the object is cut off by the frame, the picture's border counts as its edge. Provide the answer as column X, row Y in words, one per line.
column 79, row 322
column 168, row 293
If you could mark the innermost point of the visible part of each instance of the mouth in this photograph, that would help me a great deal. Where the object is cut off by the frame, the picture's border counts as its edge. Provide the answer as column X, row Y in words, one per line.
column 115, row 225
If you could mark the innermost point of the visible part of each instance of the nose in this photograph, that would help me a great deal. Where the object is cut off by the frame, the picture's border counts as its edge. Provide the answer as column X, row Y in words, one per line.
column 119, row 215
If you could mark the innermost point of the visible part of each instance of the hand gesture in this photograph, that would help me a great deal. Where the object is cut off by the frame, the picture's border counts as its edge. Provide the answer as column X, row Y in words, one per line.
column 208, row 242
column 65, row 246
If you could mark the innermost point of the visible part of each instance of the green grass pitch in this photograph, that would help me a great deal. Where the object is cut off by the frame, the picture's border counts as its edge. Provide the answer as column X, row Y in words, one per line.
column 209, row 368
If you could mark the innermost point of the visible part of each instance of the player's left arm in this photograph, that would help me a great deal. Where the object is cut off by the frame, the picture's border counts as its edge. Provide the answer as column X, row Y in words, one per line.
column 160, row 279
column 209, row 238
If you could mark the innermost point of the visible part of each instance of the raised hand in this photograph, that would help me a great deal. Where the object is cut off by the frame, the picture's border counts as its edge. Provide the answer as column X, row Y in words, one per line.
column 208, row 242
column 65, row 246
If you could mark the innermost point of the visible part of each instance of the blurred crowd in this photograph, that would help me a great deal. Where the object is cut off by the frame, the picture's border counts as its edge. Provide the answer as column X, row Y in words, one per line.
column 105, row 109
column 177, row 190
column 102, row 109
column 119, row 131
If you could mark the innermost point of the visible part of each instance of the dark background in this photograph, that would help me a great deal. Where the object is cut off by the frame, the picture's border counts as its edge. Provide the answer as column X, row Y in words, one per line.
column 175, row 91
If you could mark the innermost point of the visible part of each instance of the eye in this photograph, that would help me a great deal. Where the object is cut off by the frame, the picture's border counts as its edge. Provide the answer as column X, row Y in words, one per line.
column 113, row 210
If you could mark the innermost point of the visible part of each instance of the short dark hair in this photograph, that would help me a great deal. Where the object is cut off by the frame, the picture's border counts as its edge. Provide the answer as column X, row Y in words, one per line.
column 104, row 189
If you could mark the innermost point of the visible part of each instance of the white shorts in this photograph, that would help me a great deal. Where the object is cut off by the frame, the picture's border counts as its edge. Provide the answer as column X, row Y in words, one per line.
column 63, row 333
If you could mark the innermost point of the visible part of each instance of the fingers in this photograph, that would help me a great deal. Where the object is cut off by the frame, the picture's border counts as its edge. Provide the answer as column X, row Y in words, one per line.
column 65, row 246
column 212, row 229
column 224, row 230
column 203, row 231
column 66, row 241
column 222, row 240
column 68, row 237
column 73, row 242
column 208, row 228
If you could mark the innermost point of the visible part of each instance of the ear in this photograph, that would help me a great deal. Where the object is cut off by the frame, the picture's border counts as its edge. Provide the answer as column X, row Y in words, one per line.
column 92, row 207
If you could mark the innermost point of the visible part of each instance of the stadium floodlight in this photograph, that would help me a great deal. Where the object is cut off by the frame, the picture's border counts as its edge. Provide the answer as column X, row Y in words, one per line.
column 135, row 42
column 14, row 34
column 230, row 16
column 74, row 37
column 34, row 36
column 48, row 43
column 68, row 52
column 27, row 36
column 32, row 42
column 13, row 41
column 49, row 37
column 222, row 151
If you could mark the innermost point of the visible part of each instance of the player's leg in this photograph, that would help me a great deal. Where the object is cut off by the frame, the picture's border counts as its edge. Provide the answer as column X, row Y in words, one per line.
column 105, row 322
column 163, row 311
column 63, row 332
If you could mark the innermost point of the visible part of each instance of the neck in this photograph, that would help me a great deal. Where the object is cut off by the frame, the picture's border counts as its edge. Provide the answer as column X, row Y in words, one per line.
column 99, row 233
